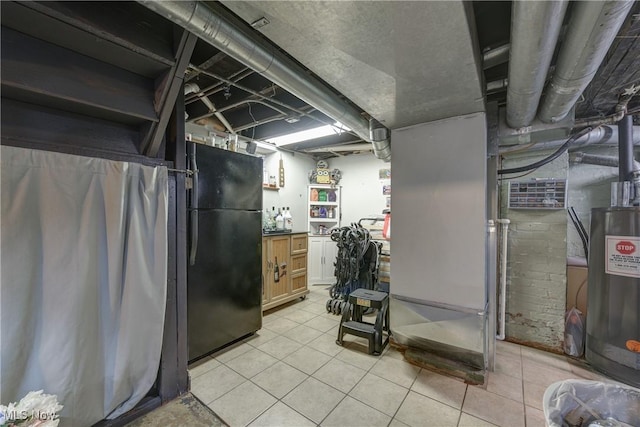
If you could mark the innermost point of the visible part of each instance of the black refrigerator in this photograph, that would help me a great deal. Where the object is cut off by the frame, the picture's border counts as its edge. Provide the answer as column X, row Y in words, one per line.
column 224, row 273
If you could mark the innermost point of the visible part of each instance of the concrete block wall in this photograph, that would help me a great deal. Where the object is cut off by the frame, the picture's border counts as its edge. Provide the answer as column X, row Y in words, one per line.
column 536, row 262
column 589, row 187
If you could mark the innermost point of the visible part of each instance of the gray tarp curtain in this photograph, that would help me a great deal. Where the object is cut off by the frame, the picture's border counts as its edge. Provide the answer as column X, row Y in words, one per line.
column 84, row 273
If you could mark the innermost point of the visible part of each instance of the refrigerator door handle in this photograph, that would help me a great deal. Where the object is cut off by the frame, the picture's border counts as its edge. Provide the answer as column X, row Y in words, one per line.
column 194, row 205
column 194, row 237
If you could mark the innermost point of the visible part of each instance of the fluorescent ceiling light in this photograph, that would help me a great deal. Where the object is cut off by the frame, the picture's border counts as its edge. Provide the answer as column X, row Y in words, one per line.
column 266, row 146
column 336, row 129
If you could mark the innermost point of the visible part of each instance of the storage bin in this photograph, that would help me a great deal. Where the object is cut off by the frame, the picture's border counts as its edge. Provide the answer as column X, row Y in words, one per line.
column 582, row 402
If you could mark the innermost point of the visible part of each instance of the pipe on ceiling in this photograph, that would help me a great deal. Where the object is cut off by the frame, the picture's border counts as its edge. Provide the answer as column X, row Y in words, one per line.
column 596, row 159
column 194, row 88
column 340, row 148
column 496, row 86
column 604, row 135
column 230, row 35
column 625, row 149
column 496, row 56
column 535, row 27
column 592, row 29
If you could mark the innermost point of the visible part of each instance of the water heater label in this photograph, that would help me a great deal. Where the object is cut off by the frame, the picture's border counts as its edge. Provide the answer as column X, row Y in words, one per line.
column 623, row 256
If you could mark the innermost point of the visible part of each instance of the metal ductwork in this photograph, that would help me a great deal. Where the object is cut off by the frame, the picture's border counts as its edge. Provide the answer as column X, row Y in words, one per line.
column 535, row 27
column 216, row 26
column 380, row 137
column 592, row 29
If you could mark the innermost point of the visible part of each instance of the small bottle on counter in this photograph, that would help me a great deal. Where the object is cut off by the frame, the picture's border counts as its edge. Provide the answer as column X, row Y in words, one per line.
column 272, row 218
column 288, row 220
column 279, row 221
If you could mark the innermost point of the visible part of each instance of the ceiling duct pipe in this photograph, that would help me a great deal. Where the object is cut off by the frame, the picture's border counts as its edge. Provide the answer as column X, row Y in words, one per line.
column 604, row 135
column 625, row 149
column 216, row 26
column 592, row 29
column 497, row 85
column 380, row 138
column 535, row 27
column 596, row 159
column 496, row 56
column 340, row 148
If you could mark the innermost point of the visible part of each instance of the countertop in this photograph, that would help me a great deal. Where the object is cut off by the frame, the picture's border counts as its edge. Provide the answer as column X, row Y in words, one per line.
column 283, row 233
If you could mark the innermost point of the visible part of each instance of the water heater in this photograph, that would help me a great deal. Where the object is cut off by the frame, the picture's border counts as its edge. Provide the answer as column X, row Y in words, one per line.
column 613, row 307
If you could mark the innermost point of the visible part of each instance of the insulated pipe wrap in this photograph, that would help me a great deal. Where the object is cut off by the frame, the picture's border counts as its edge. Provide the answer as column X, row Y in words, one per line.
column 593, row 27
column 535, row 27
column 625, row 149
column 600, row 135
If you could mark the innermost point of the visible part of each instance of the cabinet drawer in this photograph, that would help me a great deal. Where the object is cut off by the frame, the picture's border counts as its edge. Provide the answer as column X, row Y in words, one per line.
column 298, row 283
column 298, row 263
column 298, row 244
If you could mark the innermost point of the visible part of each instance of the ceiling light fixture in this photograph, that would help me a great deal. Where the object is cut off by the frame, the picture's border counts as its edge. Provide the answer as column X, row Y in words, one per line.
column 266, row 146
column 336, row 129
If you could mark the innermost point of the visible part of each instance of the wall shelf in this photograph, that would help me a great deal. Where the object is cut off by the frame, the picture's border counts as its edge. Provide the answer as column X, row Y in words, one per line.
column 267, row 187
column 328, row 207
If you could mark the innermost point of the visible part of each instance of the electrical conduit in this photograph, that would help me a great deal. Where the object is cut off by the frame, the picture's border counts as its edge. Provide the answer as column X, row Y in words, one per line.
column 502, row 304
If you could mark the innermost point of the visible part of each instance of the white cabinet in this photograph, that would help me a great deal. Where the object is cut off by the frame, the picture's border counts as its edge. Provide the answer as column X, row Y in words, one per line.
column 322, row 256
column 323, row 215
column 323, row 209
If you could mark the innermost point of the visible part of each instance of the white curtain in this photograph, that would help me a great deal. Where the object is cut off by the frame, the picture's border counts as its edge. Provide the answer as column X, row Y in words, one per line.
column 84, row 273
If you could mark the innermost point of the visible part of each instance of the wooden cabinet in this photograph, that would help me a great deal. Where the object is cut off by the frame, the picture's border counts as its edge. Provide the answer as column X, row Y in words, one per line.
column 322, row 258
column 289, row 254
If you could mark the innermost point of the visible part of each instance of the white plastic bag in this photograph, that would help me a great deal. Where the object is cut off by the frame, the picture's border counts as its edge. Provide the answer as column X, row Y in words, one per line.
column 581, row 402
column 574, row 333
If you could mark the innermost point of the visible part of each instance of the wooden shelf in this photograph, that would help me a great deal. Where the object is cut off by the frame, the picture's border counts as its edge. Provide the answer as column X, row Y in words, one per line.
column 267, row 187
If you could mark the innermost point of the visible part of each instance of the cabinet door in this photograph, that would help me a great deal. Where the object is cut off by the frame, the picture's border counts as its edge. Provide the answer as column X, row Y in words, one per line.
column 279, row 254
column 314, row 262
column 330, row 251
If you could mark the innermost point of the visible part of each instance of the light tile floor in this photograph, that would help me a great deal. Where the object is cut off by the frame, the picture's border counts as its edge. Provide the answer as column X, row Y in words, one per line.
column 292, row 373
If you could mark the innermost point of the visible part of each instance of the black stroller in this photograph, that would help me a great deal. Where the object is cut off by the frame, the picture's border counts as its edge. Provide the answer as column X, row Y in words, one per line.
column 357, row 264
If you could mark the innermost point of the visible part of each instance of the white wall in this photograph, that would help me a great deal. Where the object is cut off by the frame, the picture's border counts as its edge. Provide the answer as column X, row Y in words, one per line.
column 294, row 192
column 361, row 187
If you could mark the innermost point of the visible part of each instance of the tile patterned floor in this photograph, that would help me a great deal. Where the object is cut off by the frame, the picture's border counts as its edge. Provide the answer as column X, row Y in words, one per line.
column 292, row 373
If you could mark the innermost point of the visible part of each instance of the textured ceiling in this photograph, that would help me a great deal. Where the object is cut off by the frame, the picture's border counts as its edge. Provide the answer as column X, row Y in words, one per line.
column 402, row 62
